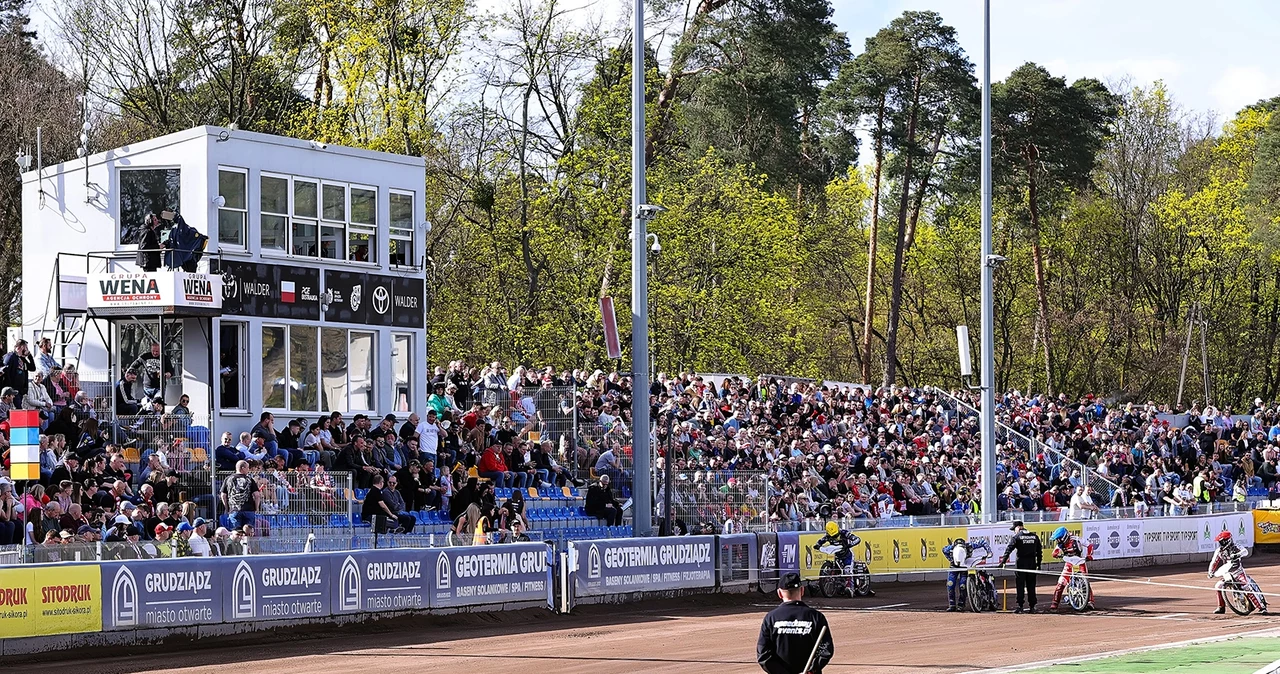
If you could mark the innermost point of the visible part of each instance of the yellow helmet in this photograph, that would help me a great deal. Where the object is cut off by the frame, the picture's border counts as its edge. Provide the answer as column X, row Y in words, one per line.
column 833, row 528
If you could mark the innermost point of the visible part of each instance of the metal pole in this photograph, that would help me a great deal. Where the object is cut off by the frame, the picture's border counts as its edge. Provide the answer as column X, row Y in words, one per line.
column 668, row 466
column 1186, row 353
column 987, row 409
column 642, row 480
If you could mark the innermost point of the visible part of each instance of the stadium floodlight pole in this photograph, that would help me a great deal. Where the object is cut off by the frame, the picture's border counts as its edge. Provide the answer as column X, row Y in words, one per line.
column 987, row 411
column 642, row 479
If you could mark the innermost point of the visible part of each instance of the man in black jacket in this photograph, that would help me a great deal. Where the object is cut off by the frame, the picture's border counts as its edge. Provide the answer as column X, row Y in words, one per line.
column 1030, row 554
column 600, row 503
column 790, row 633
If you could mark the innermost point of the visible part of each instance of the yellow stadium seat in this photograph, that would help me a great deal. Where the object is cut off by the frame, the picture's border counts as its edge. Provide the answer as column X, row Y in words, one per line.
column 198, row 454
column 131, row 454
column 533, row 493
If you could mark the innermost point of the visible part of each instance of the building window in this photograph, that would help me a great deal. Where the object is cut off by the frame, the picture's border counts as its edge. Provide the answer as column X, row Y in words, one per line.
column 303, row 366
column 360, row 371
column 146, row 192
column 274, row 359
column 363, row 230
column 401, row 244
column 333, row 234
column 234, row 212
column 273, row 219
column 306, row 209
column 333, row 369
column 231, row 359
column 402, row 370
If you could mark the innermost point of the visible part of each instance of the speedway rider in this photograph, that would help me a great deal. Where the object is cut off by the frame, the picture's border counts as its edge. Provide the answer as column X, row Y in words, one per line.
column 845, row 541
column 963, row 555
column 1074, row 556
column 1229, row 554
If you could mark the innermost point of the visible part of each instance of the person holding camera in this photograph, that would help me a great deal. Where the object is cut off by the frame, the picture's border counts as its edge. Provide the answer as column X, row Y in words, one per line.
column 149, row 250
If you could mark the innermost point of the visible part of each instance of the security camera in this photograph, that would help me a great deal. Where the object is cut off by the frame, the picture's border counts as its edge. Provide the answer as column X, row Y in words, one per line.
column 648, row 211
column 319, row 145
column 994, row 261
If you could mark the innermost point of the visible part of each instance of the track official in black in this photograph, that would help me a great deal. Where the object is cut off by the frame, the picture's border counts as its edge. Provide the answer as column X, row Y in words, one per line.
column 790, row 631
column 1030, row 555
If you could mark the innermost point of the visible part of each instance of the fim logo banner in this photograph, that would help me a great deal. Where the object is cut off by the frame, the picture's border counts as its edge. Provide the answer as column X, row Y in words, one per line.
column 124, row 598
column 349, row 585
column 354, row 299
column 593, row 562
column 443, row 578
column 244, row 593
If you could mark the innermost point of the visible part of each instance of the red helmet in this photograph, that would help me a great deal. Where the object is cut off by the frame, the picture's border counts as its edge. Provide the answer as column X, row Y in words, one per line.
column 1223, row 538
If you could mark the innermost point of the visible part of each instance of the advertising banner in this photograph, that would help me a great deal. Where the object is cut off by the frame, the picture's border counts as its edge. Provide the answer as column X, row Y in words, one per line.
column 44, row 600
column 161, row 593
column 122, row 292
column 906, row 550
column 767, row 557
column 629, row 565
column 271, row 291
column 1114, row 539
column 1238, row 524
column 373, row 299
column 1266, row 527
column 489, row 574
column 276, row 587
column 380, row 580
column 738, row 558
column 788, row 552
column 1170, row 535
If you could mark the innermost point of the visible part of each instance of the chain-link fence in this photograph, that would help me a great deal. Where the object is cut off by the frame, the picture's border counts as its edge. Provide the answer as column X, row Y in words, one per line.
column 296, row 502
column 716, row 502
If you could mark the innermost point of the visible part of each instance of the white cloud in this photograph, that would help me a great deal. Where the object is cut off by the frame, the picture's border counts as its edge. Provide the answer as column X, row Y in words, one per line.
column 1239, row 86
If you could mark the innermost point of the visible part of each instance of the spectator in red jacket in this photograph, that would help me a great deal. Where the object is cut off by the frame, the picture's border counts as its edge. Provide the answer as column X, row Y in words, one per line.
column 492, row 467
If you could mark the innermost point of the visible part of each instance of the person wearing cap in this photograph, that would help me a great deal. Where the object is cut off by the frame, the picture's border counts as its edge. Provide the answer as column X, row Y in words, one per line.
column 1029, row 554
column 199, row 543
column 791, row 631
column 162, row 545
column 182, row 539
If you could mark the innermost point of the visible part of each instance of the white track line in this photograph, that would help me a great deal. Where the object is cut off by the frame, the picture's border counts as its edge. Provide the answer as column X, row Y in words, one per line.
column 1268, row 632
column 1269, row 669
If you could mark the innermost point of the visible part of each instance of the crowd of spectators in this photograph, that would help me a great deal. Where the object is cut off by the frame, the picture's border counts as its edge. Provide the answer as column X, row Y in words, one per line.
column 762, row 453
column 815, row 451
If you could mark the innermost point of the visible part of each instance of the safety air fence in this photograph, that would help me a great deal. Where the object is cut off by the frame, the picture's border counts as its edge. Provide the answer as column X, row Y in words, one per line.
column 69, row 605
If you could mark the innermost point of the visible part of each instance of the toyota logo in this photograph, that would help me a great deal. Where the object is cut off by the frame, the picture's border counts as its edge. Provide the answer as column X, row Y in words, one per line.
column 381, row 300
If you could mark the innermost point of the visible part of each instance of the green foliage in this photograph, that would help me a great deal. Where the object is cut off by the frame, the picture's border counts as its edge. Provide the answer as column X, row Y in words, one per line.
column 1118, row 212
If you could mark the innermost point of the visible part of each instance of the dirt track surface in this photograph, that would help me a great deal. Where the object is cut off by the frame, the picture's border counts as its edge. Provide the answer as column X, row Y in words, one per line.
column 903, row 629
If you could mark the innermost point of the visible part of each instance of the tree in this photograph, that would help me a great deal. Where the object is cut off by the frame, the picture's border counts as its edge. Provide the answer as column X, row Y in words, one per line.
column 931, row 95
column 36, row 94
column 754, row 98
column 1047, row 136
column 862, row 90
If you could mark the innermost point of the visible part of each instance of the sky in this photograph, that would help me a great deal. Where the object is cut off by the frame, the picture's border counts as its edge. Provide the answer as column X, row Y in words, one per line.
column 1213, row 55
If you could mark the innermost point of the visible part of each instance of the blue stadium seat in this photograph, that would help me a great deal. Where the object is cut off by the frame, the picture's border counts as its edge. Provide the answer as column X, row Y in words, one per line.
column 361, row 493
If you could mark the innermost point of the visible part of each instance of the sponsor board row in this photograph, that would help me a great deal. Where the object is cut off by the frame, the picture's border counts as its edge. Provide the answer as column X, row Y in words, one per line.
column 62, row 599
column 621, row 566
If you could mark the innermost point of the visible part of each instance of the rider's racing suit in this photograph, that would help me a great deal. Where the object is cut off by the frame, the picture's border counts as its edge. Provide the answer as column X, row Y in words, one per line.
column 1227, row 556
column 845, row 540
column 1074, row 555
column 977, row 551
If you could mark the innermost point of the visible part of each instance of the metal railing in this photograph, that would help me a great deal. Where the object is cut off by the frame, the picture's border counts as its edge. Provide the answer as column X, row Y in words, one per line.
column 816, row 524
column 1097, row 484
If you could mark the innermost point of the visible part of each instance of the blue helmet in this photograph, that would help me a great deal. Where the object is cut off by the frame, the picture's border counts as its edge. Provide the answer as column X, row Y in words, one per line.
column 1059, row 533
